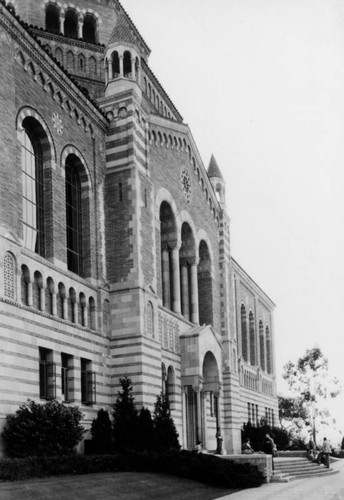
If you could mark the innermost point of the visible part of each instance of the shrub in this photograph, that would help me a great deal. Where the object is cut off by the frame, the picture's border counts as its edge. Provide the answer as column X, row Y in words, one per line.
column 165, row 433
column 101, row 431
column 125, row 428
column 42, row 430
column 204, row 468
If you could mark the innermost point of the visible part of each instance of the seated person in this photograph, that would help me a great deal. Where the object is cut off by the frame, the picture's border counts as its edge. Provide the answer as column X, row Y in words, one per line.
column 246, row 447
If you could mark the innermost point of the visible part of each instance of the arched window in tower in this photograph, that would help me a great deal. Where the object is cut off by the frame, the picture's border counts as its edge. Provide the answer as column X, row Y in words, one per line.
column 127, row 70
column 115, row 65
column 37, row 288
column 268, row 351
column 205, row 285
column 92, row 63
column 9, row 276
column 25, row 285
column 32, row 187
column 74, row 217
column 170, row 382
column 262, row 346
column 49, row 296
column 52, row 18
column 59, row 55
column 71, row 24
column 252, row 339
column 137, row 68
column 89, row 30
column 244, row 333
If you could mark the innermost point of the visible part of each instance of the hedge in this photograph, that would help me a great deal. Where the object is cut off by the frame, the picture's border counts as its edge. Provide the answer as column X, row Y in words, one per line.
column 204, row 468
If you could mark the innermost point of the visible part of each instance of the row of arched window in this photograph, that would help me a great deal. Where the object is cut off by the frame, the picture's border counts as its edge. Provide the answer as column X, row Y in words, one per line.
column 122, row 65
column 186, row 269
column 252, row 353
column 78, row 62
column 36, row 198
column 153, row 96
column 50, row 297
column 71, row 23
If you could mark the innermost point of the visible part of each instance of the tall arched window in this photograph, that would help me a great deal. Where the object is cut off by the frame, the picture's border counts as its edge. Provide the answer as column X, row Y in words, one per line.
column 252, row 339
column 262, row 346
column 71, row 24
column 32, row 189
column 244, row 336
column 268, row 351
column 73, row 217
column 70, row 60
column 205, row 285
column 52, row 18
column 89, row 29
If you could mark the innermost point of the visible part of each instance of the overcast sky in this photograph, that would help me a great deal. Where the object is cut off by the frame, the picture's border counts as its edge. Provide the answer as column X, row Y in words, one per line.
column 261, row 84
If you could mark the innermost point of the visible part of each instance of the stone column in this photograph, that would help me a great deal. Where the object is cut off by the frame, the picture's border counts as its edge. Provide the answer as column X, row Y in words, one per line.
column 165, row 263
column 54, row 304
column 29, row 294
column 121, row 66
column 176, row 281
column 62, row 20
column 65, row 307
column 133, row 69
column 198, row 390
column 80, row 25
column 185, row 290
column 194, row 294
column 42, row 298
column 184, row 413
column 110, row 69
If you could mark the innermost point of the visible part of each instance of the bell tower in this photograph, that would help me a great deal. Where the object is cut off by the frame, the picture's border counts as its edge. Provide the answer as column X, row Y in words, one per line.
column 217, row 181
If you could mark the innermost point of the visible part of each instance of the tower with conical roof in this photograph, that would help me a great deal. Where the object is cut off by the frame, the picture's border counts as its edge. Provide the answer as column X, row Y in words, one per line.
column 217, row 181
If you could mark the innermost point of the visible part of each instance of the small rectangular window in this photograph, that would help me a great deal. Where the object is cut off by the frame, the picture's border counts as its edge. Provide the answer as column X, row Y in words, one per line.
column 88, row 383
column 47, row 374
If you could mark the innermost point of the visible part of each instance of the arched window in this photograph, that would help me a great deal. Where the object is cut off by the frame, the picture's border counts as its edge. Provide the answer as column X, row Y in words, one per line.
column 25, row 283
column 205, row 285
column 37, row 286
column 252, row 339
column 32, row 187
column 49, row 296
column 82, row 309
column 268, row 351
column 71, row 24
column 71, row 305
column 92, row 66
column 127, row 64
column 9, row 276
column 262, row 346
column 170, row 385
column 74, row 217
column 115, row 64
column 244, row 336
column 70, row 61
column 106, row 316
column 52, row 18
column 82, row 66
column 92, row 313
column 60, row 299
column 89, row 30
column 59, row 55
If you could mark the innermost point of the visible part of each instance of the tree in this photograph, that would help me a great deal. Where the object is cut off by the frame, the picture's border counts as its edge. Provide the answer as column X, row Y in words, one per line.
column 166, row 435
column 42, row 430
column 310, row 381
column 101, row 431
column 145, row 430
column 125, row 427
column 342, row 444
column 292, row 415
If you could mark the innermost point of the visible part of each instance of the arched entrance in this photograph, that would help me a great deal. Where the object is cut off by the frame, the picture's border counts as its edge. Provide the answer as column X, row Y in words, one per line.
column 201, row 380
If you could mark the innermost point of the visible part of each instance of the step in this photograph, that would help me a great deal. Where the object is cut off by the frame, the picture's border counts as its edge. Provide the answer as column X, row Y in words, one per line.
column 283, row 477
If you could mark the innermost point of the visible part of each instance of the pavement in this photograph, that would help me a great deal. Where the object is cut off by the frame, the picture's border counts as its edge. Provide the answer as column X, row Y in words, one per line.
column 317, row 488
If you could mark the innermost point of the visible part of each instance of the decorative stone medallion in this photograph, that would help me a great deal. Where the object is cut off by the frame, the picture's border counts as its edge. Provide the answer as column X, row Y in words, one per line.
column 57, row 122
column 186, row 184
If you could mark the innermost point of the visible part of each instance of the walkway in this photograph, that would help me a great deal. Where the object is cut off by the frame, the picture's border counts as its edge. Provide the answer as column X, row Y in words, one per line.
column 319, row 488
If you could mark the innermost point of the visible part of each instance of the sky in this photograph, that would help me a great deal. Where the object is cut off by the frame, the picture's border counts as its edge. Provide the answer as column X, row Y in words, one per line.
column 261, row 85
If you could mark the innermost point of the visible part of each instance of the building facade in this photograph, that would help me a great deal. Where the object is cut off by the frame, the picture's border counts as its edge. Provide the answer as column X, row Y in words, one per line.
column 114, row 238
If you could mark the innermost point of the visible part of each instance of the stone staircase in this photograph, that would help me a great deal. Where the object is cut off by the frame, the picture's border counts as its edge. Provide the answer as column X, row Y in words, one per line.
column 288, row 469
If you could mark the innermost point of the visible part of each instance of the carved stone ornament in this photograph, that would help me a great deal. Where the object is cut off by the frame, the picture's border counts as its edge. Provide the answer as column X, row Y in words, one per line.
column 186, row 184
column 57, row 122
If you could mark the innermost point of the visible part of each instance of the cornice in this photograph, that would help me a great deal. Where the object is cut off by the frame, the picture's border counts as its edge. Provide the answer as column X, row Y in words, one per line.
column 68, row 41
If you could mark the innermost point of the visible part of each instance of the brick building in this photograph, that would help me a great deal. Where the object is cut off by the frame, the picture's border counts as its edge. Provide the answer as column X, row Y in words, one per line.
column 114, row 238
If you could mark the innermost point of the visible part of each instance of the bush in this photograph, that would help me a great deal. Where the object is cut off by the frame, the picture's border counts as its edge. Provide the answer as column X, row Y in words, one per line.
column 204, row 468
column 42, row 430
column 101, row 431
column 257, row 434
column 165, row 432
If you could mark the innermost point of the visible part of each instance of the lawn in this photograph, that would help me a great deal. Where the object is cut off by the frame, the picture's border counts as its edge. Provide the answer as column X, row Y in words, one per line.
column 106, row 486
